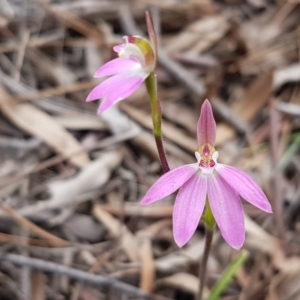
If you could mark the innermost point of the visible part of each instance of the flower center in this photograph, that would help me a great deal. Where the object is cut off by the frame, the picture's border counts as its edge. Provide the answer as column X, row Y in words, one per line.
column 207, row 158
column 206, row 152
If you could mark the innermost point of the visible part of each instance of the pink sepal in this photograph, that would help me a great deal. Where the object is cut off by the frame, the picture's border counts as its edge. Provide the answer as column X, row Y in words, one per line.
column 245, row 186
column 169, row 183
column 206, row 128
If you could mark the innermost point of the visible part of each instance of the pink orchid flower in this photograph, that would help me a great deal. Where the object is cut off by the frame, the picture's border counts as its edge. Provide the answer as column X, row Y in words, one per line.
column 222, row 184
column 135, row 63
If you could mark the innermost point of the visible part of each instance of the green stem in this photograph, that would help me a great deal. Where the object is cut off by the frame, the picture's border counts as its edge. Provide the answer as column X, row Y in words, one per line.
column 156, row 119
column 203, row 265
column 228, row 274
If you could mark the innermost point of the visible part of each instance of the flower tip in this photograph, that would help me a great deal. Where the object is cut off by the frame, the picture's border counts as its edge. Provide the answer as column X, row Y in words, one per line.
column 96, row 75
column 100, row 110
column 146, row 200
column 237, row 247
column 90, row 97
column 143, row 202
column 268, row 209
column 180, row 244
column 206, row 105
column 118, row 48
column 237, row 244
column 103, row 107
column 181, row 238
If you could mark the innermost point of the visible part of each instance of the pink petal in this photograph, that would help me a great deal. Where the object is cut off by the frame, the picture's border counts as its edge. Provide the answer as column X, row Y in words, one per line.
column 169, row 183
column 188, row 208
column 118, row 65
column 227, row 209
column 119, row 48
column 245, row 186
column 125, row 89
column 206, row 128
column 116, row 88
column 110, row 85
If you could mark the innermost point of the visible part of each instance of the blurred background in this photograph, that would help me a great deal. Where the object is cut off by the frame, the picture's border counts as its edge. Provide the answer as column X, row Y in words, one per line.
column 71, row 226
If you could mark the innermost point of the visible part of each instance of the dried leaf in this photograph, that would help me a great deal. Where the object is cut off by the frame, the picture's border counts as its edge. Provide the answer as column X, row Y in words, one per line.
column 135, row 209
column 117, row 229
column 84, row 228
column 80, row 122
column 256, row 96
column 180, row 259
column 38, row 286
column 211, row 29
column 147, row 264
column 259, row 239
column 285, row 75
column 285, row 286
column 26, row 224
column 68, row 192
column 42, row 125
column 184, row 281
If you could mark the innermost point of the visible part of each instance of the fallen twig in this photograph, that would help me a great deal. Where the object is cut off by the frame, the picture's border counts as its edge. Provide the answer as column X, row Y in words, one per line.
column 99, row 280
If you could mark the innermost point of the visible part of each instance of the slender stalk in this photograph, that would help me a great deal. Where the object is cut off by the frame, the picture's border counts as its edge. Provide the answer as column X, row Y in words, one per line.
column 203, row 265
column 156, row 119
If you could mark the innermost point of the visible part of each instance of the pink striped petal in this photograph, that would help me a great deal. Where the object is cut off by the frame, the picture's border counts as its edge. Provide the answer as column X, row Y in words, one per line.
column 245, row 186
column 188, row 208
column 206, row 128
column 227, row 209
column 169, row 183
column 118, row 65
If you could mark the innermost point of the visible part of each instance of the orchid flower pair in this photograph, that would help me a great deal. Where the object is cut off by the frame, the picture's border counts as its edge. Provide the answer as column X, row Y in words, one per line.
column 222, row 185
